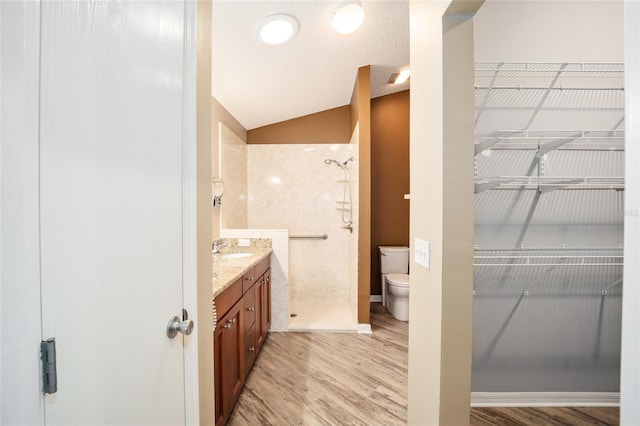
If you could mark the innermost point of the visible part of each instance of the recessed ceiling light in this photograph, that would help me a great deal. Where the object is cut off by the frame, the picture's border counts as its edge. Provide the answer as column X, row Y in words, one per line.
column 348, row 17
column 276, row 30
column 399, row 77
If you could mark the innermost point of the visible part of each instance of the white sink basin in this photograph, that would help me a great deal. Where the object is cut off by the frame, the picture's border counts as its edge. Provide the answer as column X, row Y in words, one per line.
column 235, row 255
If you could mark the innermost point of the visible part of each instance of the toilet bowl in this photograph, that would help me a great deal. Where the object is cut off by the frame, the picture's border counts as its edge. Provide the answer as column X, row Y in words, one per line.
column 398, row 296
column 394, row 268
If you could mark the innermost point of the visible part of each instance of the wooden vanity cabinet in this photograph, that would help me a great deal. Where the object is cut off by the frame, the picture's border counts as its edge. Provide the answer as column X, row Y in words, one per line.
column 239, row 335
column 263, row 300
column 228, row 362
column 249, row 328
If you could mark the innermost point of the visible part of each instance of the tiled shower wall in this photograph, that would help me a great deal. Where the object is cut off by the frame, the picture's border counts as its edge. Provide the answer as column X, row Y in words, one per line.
column 353, row 239
column 291, row 187
column 233, row 168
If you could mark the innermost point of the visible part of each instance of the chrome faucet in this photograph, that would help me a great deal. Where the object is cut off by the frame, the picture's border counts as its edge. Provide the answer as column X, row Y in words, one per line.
column 217, row 245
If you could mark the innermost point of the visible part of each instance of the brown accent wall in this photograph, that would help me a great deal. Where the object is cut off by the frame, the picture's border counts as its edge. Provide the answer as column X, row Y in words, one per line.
column 389, row 177
column 330, row 126
column 361, row 114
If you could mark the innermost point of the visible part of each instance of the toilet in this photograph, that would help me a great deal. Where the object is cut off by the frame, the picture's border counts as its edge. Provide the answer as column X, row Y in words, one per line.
column 394, row 276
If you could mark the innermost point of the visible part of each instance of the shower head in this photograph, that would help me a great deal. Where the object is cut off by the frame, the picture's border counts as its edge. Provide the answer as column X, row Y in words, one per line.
column 337, row 163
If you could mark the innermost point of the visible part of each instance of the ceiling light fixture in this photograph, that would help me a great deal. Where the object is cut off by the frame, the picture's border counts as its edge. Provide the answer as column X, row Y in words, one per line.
column 399, row 77
column 277, row 30
column 348, row 17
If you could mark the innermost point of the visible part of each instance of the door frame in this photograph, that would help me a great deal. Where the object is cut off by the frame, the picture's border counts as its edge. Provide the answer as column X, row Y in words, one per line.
column 20, row 218
column 630, row 347
column 630, row 372
column 189, row 213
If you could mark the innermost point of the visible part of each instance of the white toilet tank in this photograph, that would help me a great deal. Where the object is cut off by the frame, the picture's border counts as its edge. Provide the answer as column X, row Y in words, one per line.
column 394, row 260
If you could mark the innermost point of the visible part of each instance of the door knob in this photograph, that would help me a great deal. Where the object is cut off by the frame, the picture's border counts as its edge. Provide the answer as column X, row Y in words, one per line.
column 175, row 326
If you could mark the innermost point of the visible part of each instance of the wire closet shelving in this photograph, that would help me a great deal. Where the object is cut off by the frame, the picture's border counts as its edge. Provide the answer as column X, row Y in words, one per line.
column 499, row 80
column 537, row 91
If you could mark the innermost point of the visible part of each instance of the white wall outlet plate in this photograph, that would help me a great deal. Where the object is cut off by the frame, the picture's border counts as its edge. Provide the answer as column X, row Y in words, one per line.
column 422, row 253
column 244, row 242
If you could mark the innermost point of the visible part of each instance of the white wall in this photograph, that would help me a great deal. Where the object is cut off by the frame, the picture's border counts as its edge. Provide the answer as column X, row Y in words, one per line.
column 549, row 31
column 565, row 336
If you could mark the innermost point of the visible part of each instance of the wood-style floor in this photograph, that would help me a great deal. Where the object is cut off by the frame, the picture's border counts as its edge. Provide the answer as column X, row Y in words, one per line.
column 555, row 416
column 354, row 379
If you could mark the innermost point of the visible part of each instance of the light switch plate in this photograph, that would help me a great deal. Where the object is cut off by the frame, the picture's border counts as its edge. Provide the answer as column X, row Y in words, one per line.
column 244, row 242
column 422, row 253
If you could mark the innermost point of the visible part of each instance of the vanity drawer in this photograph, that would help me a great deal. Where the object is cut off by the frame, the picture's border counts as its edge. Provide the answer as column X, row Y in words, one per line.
column 262, row 267
column 228, row 298
column 248, row 279
column 248, row 309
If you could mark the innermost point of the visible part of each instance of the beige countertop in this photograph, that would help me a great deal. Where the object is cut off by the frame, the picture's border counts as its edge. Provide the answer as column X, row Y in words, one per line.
column 226, row 271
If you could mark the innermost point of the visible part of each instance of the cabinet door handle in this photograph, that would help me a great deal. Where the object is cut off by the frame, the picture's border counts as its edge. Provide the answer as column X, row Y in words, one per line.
column 250, row 309
column 229, row 323
column 251, row 349
column 248, row 278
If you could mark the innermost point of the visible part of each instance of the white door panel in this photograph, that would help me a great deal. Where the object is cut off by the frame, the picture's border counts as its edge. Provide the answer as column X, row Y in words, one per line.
column 111, row 205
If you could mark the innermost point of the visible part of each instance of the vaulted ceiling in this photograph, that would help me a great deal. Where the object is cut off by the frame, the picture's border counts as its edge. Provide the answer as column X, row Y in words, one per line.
column 261, row 85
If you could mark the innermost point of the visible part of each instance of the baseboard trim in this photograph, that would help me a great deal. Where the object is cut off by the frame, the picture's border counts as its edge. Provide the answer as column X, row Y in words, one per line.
column 545, row 399
column 364, row 329
column 375, row 298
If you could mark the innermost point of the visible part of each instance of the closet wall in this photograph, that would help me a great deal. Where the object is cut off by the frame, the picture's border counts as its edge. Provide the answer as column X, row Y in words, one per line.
column 549, row 204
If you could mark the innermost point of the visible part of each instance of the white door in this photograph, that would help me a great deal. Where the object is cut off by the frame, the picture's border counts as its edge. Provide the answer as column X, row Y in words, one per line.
column 111, row 206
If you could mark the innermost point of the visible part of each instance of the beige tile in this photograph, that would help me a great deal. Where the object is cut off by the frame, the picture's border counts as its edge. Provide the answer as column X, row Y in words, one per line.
column 233, row 159
column 291, row 187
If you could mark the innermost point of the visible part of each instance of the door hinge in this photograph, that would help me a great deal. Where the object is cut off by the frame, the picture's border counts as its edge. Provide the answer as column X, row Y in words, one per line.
column 49, row 374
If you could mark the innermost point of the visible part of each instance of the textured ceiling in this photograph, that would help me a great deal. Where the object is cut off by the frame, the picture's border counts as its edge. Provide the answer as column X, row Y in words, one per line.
column 262, row 85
